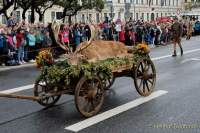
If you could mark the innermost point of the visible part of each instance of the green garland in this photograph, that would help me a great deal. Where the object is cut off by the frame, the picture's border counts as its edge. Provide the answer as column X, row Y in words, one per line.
column 63, row 74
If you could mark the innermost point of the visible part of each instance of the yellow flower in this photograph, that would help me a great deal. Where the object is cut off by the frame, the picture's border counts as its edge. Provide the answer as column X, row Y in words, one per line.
column 44, row 58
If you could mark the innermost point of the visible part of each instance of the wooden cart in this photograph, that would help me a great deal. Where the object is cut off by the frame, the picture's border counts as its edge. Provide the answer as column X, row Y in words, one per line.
column 89, row 93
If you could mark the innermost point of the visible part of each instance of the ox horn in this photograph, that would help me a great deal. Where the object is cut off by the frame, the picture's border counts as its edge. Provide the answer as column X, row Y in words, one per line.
column 93, row 34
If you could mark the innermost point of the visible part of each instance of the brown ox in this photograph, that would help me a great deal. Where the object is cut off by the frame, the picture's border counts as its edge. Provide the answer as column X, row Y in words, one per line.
column 95, row 50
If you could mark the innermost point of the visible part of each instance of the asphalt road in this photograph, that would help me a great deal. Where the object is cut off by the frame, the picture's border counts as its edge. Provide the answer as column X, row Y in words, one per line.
column 176, row 112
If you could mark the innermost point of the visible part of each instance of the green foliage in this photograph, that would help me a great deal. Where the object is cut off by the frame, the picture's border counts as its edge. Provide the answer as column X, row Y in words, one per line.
column 71, row 7
column 63, row 74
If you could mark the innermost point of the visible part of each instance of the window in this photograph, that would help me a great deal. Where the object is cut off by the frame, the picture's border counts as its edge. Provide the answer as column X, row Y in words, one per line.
column 147, row 16
column 156, row 2
column 173, row 2
column 83, row 18
column 169, row 2
column 142, row 16
column 136, row 1
column 161, row 14
column 119, row 15
column 97, row 18
column 118, row 1
column 90, row 17
column 156, row 15
column 4, row 20
column 142, row 2
column 75, row 17
column 53, row 16
column 132, row 15
column 137, row 16
column 165, row 14
column 132, row 1
column 59, row 15
column 18, row 18
column 105, row 15
column 29, row 16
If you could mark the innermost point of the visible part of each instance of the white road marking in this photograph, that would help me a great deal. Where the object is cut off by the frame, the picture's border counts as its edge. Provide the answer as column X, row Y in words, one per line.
column 31, row 86
column 191, row 59
column 113, row 112
column 167, row 56
column 22, row 88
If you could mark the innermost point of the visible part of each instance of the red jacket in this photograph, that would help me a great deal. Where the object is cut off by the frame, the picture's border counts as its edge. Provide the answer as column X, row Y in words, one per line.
column 122, row 36
column 19, row 38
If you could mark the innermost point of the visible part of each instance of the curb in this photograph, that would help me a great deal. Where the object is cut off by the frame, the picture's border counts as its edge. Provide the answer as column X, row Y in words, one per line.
column 7, row 68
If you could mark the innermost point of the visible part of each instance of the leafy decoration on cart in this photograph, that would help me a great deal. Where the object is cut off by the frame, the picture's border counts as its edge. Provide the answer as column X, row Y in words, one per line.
column 63, row 73
column 45, row 58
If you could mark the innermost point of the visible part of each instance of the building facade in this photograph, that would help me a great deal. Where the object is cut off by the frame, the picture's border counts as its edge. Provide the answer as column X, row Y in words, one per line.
column 123, row 9
column 192, row 7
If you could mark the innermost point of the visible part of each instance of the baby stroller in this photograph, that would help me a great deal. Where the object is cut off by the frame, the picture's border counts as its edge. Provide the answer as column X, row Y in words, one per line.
column 11, row 53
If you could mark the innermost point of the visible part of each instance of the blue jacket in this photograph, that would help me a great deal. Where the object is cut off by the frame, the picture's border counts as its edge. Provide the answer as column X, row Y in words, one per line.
column 1, row 41
column 31, row 40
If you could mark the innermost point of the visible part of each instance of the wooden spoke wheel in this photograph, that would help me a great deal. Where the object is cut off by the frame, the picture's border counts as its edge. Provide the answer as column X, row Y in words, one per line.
column 107, row 83
column 42, row 90
column 89, row 96
column 145, row 77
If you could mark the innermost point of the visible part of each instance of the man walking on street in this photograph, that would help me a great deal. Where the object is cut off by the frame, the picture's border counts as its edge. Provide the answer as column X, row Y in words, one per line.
column 177, row 30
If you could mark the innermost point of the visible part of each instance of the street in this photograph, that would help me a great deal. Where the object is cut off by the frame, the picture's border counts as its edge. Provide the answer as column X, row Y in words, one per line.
column 177, row 110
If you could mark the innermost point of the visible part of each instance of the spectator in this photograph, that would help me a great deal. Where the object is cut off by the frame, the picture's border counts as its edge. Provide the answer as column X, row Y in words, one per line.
column 32, row 45
column 21, row 42
column 47, row 40
column 77, row 35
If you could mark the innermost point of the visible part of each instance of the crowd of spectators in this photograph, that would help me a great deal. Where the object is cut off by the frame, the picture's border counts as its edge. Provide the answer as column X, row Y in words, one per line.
column 20, row 42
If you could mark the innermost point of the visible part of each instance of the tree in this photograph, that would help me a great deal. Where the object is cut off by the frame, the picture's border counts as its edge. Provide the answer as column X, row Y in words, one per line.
column 25, row 5
column 71, row 7
column 42, row 6
column 6, row 4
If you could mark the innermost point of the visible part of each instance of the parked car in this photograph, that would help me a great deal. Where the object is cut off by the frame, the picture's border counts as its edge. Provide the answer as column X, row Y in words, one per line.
column 197, row 28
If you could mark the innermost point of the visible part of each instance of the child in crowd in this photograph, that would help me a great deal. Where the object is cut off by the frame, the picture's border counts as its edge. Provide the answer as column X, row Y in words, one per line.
column 21, row 42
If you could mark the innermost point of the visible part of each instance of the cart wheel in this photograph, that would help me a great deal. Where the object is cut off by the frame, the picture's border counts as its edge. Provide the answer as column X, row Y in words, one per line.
column 89, row 96
column 109, row 83
column 42, row 90
column 145, row 77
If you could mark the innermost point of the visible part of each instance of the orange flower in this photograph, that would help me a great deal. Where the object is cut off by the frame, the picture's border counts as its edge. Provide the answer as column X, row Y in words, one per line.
column 143, row 48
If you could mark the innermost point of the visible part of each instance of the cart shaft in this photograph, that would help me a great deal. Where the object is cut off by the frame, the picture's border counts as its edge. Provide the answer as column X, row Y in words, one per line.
column 20, row 97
